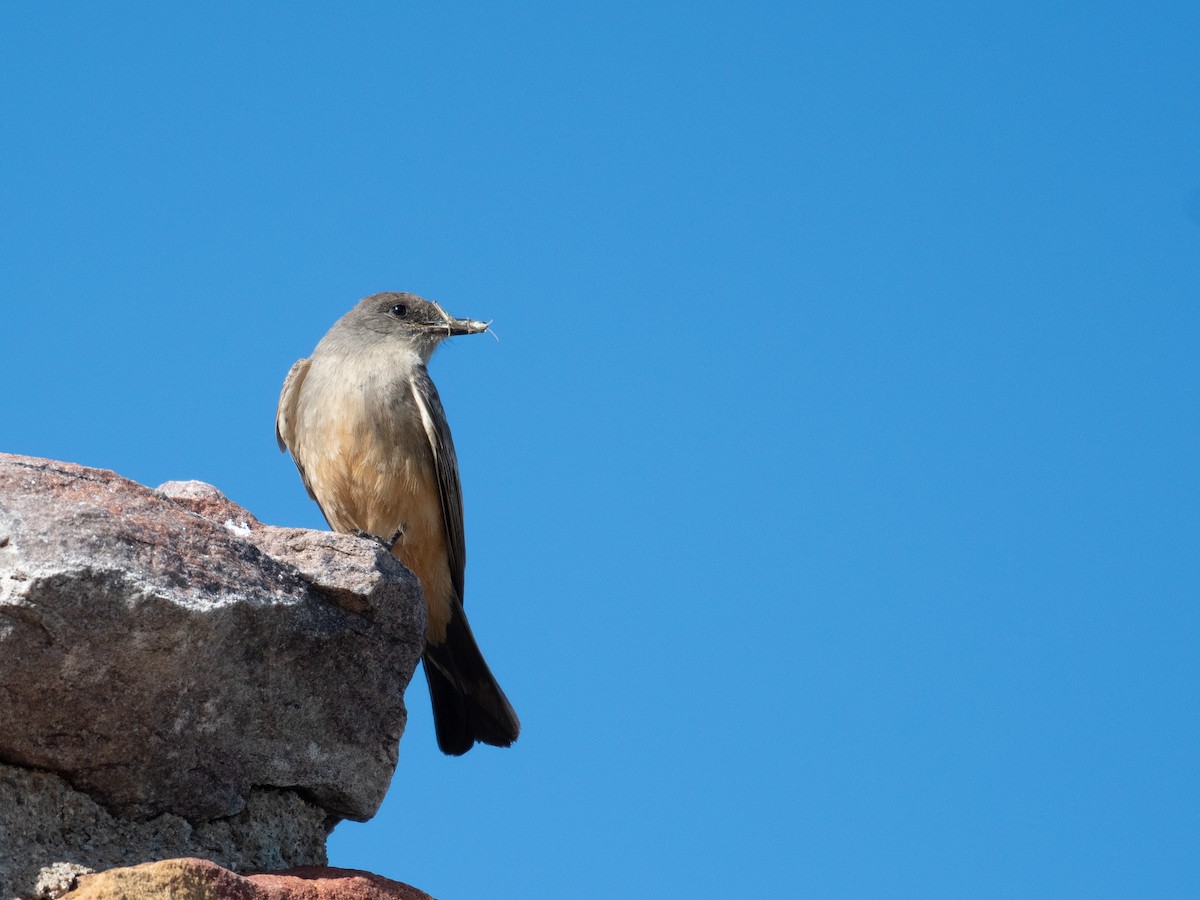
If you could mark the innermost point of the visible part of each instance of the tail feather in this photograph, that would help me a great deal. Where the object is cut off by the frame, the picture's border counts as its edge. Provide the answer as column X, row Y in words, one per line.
column 468, row 705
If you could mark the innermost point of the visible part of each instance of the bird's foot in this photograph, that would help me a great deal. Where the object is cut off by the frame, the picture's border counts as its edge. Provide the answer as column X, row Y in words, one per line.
column 387, row 544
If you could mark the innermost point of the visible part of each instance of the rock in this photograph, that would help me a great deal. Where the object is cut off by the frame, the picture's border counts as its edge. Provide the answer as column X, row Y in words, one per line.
column 44, row 821
column 197, row 677
column 55, row 880
column 198, row 879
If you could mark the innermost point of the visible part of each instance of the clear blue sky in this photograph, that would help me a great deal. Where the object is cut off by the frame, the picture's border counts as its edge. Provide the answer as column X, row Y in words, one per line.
column 832, row 495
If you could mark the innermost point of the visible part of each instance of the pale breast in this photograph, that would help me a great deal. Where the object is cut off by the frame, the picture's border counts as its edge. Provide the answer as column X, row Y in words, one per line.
column 368, row 461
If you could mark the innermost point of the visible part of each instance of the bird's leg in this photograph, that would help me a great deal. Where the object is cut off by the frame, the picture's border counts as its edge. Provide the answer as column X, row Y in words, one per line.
column 366, row 535
column 387, row 544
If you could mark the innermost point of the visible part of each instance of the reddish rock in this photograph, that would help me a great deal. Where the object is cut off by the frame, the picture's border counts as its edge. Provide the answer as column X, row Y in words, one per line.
column 165, row 652
column 325, row 883
column 178, row 679
column 199, row 879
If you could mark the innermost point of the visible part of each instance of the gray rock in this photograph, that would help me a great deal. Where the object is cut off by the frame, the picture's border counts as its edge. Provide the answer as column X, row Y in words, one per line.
column 55, row 879
column 166, row 653
column 44, row 822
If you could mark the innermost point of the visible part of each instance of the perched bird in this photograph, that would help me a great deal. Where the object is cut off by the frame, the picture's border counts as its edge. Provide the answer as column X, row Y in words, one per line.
column 366, row 429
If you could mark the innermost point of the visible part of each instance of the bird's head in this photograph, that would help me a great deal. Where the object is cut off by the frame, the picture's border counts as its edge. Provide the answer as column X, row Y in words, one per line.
column 408, row 319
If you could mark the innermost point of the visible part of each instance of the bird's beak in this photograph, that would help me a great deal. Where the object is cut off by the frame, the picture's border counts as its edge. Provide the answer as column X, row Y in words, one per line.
column 454, row 326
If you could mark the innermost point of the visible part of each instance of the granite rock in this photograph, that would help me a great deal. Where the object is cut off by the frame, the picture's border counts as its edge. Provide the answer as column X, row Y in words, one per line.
column 50, row 833
column 198, row 879
column 178, row 664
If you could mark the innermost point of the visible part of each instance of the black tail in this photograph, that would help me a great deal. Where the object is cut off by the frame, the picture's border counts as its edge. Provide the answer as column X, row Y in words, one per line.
column 468, row 705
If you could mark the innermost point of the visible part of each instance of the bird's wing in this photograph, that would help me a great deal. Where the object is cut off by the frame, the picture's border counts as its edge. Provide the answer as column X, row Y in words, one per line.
column 289, row 397
column 437, row 430
column 285, row 421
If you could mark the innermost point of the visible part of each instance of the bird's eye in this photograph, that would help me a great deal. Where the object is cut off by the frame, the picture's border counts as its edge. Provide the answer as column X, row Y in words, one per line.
column 399, row 310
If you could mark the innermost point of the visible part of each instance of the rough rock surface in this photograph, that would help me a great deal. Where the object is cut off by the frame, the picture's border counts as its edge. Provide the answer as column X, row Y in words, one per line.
column 198, row 879
column 179, row 663
column 43, row 820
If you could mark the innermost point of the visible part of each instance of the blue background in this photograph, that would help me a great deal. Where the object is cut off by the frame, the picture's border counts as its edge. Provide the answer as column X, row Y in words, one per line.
column 832, row 490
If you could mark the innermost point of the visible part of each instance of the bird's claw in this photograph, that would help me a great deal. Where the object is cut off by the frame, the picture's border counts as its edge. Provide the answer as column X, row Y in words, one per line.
column 383, row 542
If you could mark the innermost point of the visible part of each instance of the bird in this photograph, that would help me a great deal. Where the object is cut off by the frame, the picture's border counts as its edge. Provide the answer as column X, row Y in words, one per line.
column 366, row 429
